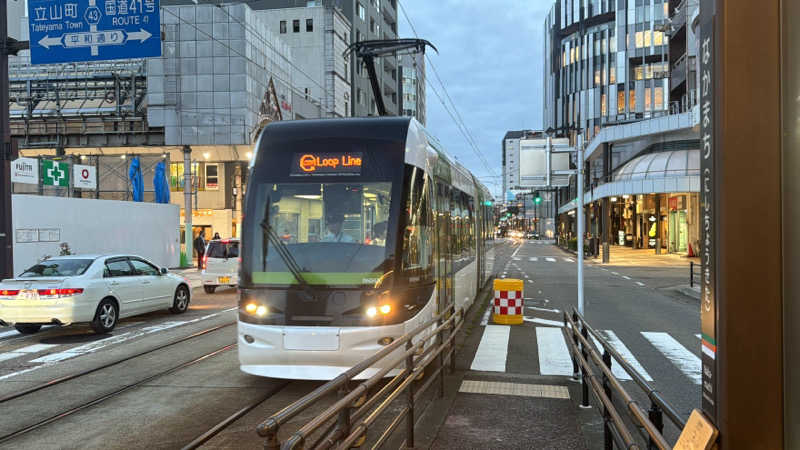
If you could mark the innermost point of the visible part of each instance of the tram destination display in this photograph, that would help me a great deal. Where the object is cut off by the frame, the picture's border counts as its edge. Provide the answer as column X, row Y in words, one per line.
column 345, row 163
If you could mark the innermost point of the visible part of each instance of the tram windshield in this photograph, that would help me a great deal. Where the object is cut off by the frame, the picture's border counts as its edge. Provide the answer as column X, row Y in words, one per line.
column 320, row 233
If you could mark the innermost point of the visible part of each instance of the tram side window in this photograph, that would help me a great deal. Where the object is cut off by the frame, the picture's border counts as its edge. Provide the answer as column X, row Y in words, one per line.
column 418, row 234
column 443, row 211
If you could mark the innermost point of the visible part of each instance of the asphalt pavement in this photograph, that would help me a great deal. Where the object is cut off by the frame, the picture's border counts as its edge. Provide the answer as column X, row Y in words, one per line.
column 634, row 307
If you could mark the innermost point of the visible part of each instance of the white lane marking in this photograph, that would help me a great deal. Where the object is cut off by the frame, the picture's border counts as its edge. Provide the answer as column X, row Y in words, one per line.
column 533, row 259
column 683, row 359
column 95, row 346
column 543, row 309
column 485, row 319
column 569, row 260
column 626, row 277
column 552, row 323
column 698, row 336
column 553, row 354
column 640, row 283
column 493, row 349
column 36, row 348
column 616, row 369
column 9, row 333
column 604, row 269
column 623, row 351
column 516, row 258
column 614, row 273
column 513, row 255
column 550, row 259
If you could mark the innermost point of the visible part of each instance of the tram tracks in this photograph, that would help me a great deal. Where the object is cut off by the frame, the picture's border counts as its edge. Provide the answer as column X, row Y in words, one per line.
column 116, row 392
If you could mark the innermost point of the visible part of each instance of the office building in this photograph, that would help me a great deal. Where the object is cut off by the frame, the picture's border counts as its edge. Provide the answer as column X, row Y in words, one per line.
column 412, row 74
column 620, row 78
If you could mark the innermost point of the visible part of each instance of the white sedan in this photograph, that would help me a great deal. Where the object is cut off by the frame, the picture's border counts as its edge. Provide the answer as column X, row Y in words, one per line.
column 94, row 289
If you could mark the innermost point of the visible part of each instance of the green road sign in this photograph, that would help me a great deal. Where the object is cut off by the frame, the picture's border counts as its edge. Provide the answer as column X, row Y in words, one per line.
column 55, row 173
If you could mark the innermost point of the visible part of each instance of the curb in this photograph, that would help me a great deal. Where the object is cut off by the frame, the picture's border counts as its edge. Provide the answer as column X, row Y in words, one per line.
column 689, row 292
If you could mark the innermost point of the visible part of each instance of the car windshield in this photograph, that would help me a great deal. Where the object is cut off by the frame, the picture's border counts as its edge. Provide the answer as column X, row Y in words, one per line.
column 331, row 233
column 58, row 268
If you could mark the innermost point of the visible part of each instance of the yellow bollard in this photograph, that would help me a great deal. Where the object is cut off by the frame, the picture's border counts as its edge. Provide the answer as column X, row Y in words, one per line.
column 508, row 302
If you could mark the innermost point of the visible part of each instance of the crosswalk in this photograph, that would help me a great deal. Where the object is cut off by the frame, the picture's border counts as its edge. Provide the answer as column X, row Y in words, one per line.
column 554, row 359
column 549, row 259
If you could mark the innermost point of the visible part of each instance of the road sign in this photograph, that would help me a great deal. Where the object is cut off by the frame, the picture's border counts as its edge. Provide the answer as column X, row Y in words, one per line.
column 85, row 176
column 92, row 30
column 55, row 173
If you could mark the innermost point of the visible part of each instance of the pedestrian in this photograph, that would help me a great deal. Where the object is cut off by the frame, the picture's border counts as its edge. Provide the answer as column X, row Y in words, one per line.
column 200, row 247
column 216, row 237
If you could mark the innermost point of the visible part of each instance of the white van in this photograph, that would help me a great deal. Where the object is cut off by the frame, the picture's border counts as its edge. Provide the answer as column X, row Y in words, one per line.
column 221, row 264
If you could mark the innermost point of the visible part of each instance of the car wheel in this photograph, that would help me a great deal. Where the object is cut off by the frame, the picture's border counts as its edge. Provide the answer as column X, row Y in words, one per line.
column 105, row 319
column 209, row 289
column 181, row 302
column 27, row 328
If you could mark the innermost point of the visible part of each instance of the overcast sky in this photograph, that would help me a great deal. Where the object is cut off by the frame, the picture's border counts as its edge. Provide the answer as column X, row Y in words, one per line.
column 490, row 60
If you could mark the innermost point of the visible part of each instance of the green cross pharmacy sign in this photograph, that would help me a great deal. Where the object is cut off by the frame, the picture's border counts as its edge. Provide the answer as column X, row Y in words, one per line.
column 55, row 173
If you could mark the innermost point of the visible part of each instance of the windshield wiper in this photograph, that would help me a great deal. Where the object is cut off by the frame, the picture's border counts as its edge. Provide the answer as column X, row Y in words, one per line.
column 283, row 252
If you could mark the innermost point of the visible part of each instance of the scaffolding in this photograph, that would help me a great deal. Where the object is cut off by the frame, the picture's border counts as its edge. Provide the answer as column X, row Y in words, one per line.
column 94, row 104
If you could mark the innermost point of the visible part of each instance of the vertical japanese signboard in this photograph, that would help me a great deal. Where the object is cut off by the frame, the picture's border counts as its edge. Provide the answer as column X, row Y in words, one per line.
column 708, row 301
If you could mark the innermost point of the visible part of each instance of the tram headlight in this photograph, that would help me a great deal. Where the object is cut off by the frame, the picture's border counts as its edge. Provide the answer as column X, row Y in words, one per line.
column 256, row 309
column 374, row 311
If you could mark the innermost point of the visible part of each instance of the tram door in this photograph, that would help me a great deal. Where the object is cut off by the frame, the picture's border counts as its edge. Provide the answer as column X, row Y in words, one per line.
column 444, row 253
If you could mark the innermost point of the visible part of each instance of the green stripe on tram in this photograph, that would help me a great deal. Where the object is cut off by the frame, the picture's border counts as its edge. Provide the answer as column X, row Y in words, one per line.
column 317, row 277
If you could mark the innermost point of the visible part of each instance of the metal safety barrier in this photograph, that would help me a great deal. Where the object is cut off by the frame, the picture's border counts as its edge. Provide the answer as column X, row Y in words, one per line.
column 607, row 388
column 352, row 417
column 694, row 270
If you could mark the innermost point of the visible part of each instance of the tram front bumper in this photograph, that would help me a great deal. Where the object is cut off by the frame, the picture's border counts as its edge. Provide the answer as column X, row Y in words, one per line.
column 312, row 353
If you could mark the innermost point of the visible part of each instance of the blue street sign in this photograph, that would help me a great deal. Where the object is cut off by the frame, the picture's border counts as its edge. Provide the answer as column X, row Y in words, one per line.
column 92, row 30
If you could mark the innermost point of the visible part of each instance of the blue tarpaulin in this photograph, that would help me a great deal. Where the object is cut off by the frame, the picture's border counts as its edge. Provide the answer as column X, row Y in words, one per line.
column 160, row 183
column 135, row 175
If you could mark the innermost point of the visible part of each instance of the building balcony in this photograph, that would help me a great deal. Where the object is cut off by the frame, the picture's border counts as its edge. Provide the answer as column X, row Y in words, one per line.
column 678, row 17
column 678, row 71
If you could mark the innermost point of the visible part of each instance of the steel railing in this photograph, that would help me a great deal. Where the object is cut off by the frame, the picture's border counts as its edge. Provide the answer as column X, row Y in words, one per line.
column 351, row 422
column 605, row 389
column 694, row 271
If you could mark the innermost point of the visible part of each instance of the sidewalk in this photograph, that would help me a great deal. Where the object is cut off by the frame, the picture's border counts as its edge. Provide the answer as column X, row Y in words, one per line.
column 626, row 256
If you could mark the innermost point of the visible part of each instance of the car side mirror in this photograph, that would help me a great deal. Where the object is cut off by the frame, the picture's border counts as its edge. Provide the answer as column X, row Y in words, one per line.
column 164, row 271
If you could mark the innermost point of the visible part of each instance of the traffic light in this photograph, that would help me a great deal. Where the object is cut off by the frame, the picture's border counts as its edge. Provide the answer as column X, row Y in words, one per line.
column 537, row 198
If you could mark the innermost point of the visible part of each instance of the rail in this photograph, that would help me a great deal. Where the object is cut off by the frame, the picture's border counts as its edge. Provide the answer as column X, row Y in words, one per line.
column 352, row 417
column 615, row 430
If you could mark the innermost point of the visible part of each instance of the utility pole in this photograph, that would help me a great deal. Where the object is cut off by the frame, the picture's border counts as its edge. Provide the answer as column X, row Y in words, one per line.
column 6, row 231
column 188, row 236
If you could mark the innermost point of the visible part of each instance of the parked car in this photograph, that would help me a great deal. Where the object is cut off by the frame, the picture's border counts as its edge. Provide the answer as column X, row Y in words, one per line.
column 532, row 235
column 94, row 289
column 220, row 264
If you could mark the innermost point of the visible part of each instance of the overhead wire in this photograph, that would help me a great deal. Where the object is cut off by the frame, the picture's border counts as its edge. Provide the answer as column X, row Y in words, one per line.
column 455, row 114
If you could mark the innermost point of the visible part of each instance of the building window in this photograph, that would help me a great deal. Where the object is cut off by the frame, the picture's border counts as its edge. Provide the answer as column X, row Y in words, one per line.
column 632, row 100
column 311, row 3
column 176, row 179
column 362, row 14
column 659, row 100
column 296, row 26
column 283, row 27
column 358, row 36
column 371, row 24
column 212, row 177
column 309, row 25
column 647, row 104
column 603, row 108
column 621, row 102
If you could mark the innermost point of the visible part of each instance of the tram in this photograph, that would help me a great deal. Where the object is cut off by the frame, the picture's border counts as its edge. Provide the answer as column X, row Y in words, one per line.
column 355, row 232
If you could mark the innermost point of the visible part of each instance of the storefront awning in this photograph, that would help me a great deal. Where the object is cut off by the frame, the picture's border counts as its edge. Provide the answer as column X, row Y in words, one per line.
column 654, row 173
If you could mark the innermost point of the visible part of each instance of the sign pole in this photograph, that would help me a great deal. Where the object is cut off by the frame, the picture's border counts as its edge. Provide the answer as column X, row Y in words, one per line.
column 6, row 224
column 581, row 218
